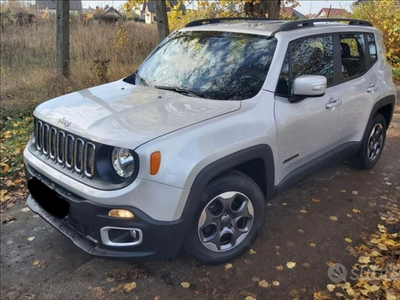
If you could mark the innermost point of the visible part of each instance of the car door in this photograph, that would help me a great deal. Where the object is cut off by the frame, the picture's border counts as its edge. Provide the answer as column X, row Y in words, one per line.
column 359, row 82
column 307, row 130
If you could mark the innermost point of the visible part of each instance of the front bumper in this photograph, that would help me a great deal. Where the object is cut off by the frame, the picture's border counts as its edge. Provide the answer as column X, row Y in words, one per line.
column 82, row 221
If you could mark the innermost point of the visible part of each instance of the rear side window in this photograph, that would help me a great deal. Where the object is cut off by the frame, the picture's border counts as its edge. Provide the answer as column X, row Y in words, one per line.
column 310, row 56
column 353, row 55
column 373, row 57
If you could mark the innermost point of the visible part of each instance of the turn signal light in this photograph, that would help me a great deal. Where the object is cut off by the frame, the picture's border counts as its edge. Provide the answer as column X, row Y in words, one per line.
column 155, row 161
column 121, row 213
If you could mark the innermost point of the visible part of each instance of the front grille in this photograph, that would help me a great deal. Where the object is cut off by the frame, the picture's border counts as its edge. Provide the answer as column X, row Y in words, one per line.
column 65, row 148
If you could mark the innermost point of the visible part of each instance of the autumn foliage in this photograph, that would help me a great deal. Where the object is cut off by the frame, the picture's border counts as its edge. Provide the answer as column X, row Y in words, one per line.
column 384, row 15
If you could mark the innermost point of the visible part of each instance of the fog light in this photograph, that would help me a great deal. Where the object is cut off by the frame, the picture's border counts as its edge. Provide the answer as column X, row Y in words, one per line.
column 121, row 213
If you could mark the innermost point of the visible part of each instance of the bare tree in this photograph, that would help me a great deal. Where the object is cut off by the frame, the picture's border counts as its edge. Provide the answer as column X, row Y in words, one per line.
column 63, row 38
column 162, row 19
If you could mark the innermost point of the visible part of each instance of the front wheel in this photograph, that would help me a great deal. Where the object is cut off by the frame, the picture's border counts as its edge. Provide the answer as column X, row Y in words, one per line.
column 228, row 221
column 372, row 144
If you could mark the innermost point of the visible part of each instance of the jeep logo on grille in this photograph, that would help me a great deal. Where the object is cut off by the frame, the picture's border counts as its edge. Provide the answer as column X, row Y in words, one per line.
column 64, row 122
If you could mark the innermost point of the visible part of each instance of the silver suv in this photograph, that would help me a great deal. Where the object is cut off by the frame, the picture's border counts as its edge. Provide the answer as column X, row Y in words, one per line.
column 221, row 117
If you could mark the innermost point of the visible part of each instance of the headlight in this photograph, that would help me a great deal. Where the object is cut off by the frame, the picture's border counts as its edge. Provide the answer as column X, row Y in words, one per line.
column 123, row 162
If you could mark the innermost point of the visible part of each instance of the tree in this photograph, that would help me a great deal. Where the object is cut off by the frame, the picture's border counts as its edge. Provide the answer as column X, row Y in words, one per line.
column 218, row 9
column 384, row 15
column 63, row 38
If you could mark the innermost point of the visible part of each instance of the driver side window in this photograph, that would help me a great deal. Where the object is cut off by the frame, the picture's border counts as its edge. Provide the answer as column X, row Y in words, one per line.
column 310, row 56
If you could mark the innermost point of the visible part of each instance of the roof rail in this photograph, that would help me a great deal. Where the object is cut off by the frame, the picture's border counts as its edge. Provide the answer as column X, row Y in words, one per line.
column 220, row 20
column 299, row 24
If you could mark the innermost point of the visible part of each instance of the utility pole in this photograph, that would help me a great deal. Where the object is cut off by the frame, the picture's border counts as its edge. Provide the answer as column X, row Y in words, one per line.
column 162, row 19
column 63, row 37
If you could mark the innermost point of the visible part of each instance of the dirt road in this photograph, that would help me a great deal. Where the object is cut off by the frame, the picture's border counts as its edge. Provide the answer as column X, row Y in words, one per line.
column 311, row 233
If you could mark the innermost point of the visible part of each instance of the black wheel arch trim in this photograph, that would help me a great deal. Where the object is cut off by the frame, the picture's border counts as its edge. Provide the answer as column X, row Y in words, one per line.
column 262, row 151
column 388, row 100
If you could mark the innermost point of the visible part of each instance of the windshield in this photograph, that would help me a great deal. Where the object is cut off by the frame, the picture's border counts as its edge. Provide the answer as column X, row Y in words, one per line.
column 213, row 65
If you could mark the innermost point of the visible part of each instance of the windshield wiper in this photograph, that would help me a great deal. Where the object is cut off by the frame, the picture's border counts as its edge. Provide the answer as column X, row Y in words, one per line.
column 141, row 79
column 180, row 91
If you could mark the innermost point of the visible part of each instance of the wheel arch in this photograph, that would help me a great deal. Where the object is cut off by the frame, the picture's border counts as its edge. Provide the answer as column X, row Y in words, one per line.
column 238, row 161
column 385, row 106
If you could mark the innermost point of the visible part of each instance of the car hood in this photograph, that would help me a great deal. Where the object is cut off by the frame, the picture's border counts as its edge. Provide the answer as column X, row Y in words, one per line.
column 125, row 115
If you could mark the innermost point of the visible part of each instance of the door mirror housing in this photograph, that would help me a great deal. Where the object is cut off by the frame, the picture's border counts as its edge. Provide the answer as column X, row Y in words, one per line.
column 306, row 86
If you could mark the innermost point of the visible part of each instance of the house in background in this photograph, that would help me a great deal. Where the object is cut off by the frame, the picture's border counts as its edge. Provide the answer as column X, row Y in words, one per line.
column 112, row 12
column 331, row 13
column 75, row 6
column 147, row 11
column 291, row 13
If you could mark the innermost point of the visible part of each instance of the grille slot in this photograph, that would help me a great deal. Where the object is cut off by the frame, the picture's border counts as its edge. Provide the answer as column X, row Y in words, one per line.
column 66, row 149
column 79, row 147
column 45, row 133
column 69, row 151
column 61, row 147
column 53, row 143
column 39, row 136
column 89, row 159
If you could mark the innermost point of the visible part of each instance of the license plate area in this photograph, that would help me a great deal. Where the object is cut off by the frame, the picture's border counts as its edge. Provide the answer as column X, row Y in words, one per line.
column 48, row 199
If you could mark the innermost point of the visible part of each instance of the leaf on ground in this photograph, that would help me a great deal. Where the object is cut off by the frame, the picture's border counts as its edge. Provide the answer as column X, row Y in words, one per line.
column 349, row 215
column 290, row 264
column 279, row 268
column 356, row 211
column 333, row 218
column 313, row 245
column 228, row 266
column 251, row 251
column 276, row 283
column 331, row 287
column 185, row 285
column 354, row 193
column 349, row 240
column 306, row 265
column 31, row 238
column 263, row 283
column 8, row 219
column 303, row 211
column 3, row 196
column 301, row 231
column 25, row 209
column 364, row 259
column 315, row 200
column 255, row 279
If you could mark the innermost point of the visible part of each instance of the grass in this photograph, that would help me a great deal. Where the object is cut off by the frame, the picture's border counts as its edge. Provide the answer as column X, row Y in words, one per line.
column 99, row 53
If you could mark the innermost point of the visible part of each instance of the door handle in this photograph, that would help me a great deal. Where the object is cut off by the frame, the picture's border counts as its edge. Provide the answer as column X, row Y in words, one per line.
column 371, row 88
column 333, row 103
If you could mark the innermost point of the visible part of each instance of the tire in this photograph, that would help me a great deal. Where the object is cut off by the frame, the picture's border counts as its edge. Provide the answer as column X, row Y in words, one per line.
column 372, row 144
column 229, row 218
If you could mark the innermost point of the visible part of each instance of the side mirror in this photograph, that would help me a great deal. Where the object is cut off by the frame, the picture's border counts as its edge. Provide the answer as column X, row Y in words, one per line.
column 308, row 86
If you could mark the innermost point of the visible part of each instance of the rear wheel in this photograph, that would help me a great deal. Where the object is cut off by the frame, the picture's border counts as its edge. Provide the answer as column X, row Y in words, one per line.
column 372, row 144
column 229, row 219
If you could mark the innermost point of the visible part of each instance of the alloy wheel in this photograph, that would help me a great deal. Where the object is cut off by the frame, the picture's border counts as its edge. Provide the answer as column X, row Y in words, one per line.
column 226, row 221
column 375, row 142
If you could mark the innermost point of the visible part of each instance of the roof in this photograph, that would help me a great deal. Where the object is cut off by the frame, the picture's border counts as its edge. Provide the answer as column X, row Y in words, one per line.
column 111, row 10
column 333, row 12
column 52, row 4
column 294, row 12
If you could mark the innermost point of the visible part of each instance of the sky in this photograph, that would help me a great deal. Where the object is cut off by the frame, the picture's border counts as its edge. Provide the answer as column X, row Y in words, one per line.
column 305, row 6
